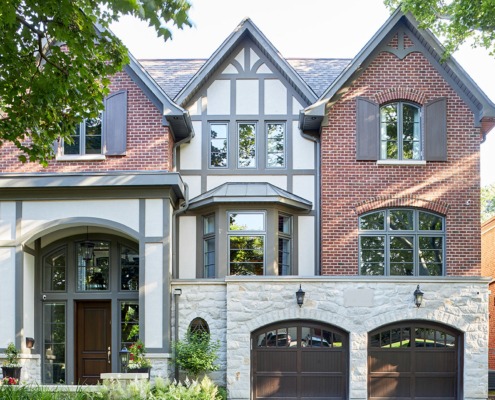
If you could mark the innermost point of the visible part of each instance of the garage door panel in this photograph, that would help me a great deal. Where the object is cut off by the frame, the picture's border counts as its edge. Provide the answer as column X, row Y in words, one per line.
column 436, row 387
column 322, row 387
column 276, row 360
column 390, row 387
column 390, row 361
column 322, row 361
column 312, row 365
column 423, row 366
column 276, row 386
column 436, row 361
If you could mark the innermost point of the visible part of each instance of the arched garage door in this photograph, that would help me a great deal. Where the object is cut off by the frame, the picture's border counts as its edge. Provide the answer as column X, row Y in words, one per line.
column 299, row 360
column 414, row 360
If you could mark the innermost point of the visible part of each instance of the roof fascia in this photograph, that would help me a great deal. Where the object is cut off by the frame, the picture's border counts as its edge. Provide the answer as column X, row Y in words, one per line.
column 318, row 109
column 245, row 29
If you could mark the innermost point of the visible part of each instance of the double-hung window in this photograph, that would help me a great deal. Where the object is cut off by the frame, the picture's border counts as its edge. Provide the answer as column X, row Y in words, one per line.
column 246, row 238
column 400, row 132
column 401, row 242
column 86, row 139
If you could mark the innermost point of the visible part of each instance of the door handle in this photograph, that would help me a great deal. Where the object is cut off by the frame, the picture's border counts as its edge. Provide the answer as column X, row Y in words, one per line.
column 109, row 354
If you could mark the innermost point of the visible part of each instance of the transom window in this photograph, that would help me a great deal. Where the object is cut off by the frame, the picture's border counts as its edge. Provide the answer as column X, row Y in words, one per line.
column 87, row 138
column 400, row 132
column 401, row 242
column 246, row 243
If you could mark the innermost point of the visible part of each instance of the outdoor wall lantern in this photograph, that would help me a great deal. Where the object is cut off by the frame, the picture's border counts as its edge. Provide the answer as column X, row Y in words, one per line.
column 300, row 296
column 29, row 343
column 124, row 358
column 87, row 248
column 418, row 297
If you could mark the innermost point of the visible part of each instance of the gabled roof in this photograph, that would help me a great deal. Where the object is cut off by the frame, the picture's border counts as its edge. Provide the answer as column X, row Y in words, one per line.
column 237, row 192
column 173, row 74
column 173, row 115
column 246, row 29
column 310, row 118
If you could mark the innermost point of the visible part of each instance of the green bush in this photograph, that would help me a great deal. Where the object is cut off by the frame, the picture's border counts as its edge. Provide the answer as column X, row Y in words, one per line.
column 196, row 354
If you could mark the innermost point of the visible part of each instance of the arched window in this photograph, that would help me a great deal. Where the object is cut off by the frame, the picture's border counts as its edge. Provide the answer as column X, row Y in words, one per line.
column 199, row 325
column 400, row 132
column 401, row 242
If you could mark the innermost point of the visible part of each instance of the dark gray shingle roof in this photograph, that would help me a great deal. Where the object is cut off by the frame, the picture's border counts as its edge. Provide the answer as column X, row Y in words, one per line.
column 173, row 75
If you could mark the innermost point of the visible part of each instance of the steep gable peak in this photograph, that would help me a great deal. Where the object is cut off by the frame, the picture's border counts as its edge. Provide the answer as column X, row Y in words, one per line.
column 246, row 30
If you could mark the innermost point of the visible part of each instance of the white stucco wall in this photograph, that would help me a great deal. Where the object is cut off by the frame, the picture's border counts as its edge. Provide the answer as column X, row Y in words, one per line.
column 218, row 97
column 275, row 97
column 7, row 220
column 28, row 296
column 304, row 150
column 216, row 180
column 7, row 295
column 304, row 186
column 187, row 247
column 247, row 97
column 306, row 248
column 153, row 291
column 37, row 213
column 190, row 153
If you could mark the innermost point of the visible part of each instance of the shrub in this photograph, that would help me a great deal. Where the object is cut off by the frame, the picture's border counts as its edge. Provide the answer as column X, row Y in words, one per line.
column 196, row 354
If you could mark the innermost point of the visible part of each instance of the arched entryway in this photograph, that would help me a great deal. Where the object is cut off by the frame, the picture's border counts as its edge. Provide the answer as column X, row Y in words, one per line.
column 89, row 304
column 299, row 359
column 414, row 360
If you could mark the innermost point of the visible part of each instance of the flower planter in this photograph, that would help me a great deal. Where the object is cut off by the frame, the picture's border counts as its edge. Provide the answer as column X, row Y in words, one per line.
column 12, row 372
column 146, row 370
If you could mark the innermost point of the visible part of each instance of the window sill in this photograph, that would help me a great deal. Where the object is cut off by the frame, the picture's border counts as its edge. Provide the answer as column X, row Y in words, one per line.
column 413, row 163
column 86, row 157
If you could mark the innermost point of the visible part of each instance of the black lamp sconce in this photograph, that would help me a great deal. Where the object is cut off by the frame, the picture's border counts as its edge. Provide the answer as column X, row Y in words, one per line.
column 29, row 342
column 300, row 296
column 418, row 297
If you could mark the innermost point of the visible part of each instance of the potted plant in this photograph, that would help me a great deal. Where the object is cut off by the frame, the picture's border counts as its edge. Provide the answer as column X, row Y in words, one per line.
column 11, row 367
column 137, row 358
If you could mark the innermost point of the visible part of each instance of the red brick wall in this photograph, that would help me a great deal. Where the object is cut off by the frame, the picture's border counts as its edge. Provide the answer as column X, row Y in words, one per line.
column 488, row 269
column 350, row 187
column 148, row 142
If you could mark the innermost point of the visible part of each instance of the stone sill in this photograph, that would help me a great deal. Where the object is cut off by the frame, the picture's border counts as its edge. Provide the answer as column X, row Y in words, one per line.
column 411, row 163
column 88, row 157
column 333, row 279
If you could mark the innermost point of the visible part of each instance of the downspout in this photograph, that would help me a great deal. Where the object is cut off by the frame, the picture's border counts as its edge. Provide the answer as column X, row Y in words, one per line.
column 316, row 140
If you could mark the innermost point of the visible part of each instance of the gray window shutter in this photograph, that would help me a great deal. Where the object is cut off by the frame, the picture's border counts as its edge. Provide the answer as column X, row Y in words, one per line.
column 115, row 124
column 435, row 130
column 367, row 130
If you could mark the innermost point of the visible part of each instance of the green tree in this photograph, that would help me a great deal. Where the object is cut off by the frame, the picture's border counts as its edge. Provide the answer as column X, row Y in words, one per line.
column 487, row 202
column 455, row 21
column 56, row 63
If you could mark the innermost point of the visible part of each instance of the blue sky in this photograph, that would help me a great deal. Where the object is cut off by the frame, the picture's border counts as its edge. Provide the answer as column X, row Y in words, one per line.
column 309, row 28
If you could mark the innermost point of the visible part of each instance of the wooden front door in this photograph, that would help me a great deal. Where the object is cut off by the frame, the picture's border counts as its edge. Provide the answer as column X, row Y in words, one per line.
column 93, row 340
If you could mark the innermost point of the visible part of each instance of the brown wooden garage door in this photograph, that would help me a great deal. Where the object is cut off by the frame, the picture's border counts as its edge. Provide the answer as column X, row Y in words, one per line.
column 299, row 360
column 414, row 360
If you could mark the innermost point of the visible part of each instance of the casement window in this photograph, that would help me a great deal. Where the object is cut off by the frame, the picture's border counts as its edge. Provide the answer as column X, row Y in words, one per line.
column 401, row 131
column 284, row 245
column 105, row 135
column 246, row 141
column 219, row 145
column 246, row 238
column 275, row 145
column 402, row 242
column 209, row 245
column 86, row 139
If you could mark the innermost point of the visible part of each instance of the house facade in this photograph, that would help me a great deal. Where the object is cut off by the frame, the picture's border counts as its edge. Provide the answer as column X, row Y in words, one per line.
column 211, row 191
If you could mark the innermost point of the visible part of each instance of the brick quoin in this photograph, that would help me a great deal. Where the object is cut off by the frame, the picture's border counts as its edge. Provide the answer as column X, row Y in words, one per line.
column 149, row 143
column 351, row 187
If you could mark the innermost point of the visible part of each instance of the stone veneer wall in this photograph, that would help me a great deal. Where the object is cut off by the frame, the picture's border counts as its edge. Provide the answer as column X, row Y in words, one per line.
column 31, row 367
column 237, row 306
